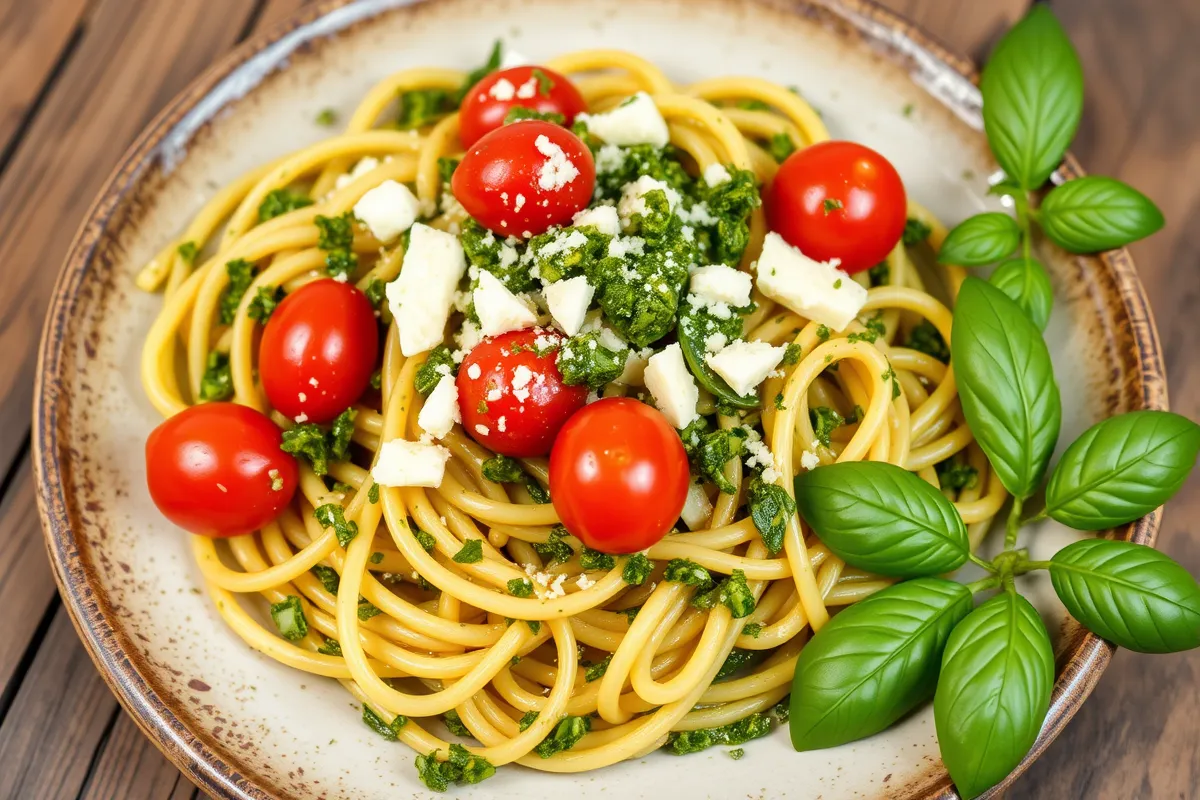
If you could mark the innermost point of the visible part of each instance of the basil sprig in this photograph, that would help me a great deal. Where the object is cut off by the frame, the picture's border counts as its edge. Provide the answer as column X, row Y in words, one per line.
column 883, row 519
column 1026, row 282
column 1006, row 383
column 981, row 239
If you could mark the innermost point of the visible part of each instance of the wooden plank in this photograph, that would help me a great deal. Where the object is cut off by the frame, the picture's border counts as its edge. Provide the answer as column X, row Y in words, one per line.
column 968, row 27
column 275, row 12
column 129, row 766
column 60, row 715
column 33, row 38
column 1135, row 736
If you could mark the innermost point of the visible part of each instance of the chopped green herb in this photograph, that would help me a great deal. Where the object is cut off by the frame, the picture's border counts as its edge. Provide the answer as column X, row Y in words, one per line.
column 637, row 569
column 388, row 730
column 926, row 338
column 780, row 146
column 744, row 730
column 289, row 618
column 915, row 232
column 332, row 647
column 520, row 587
column 824, row 421
column 376, row 558
column 308, row 440
column 426, row 540
column 737, row 753
column 792, row 354
column 733, row 592
column 217, row 381
column 583, row 360
column 471, row 552
column 566, row 734
column 592, row 560
column 188, row 252
column 534, row 626
column 373, row 494
column 279, row 202
column 689, row 573
column 326, row 117
column 328, row 576
column 545, row 84
column 753, row 629
column 823, row 333
column 890, row 375
column 420, row 107
column 438, row 363
column 714, row 451
column 377, row 379
column 630, row 613
column 366, row 610
column 331, row 515
column 446, row 167
column 459, row 767
column 830, row 205
column 956, row 474
column 880, row 274
column 736, row 659
column 782, row 710
column 779, row 406
column 519, row 113
column 554, row 550
column 596, row 671
column 376, row 293
column 335, row 233
column 907, row 110
column 263, row 304
column 770, row 507
column 455, row 724
column 479, row 73
column 340, row 434
column 241, row 275
column 527, row 719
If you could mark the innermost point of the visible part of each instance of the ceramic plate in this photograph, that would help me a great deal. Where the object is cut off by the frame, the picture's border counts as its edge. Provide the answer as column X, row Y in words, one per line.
column 243, row 726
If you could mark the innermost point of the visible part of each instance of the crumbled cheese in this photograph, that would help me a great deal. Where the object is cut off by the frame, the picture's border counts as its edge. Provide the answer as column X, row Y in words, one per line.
column 502, row 424
column 512, row 58
column 636, row 121
column 621, row 246
column 502, row 90
column 810, row 460
column 313, row 382
column 466, row 338
column 584, row 582
column 546, row 586
column 421, row 297
column 440, row 412
column 715, row 342
column 716, row 174
column 558, row 170
column 816, row 290
column 302, row 397
column 363, row 166
column 494, row 394
column 760, row 456
column 633, row 199
column 301, row 418
column 604, row 218
column 528, row 90
column 388, row 210
column 744, row 365
column 563, row 241
column 482, row 429
column 518, row 202
column 668, row 379
column 473, row 372
column 722, row 284
column 609, row 158
column 404, row 463
column 568, row 302
column 499, row 310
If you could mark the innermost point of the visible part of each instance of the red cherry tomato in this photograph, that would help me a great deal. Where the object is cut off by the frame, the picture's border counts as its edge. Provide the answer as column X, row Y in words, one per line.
column 216, row 469
column 838, row 200
column 488, row 102
column 318, row 351
column 522, row 178
column 618, row 475
column 513, row 401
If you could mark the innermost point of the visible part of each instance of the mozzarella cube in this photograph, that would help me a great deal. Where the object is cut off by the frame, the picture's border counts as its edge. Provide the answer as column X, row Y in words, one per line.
column 816, row 290
column 604, row 218
column 744, row 365
column 440, row 412
column 568, row 302
column 721, row 284
column 499, row 310
column 422, row 295
column 697, row 509
column 388, row 210
column 634, row 373
column 636, row 121
column 404, row 463
column 668, row 379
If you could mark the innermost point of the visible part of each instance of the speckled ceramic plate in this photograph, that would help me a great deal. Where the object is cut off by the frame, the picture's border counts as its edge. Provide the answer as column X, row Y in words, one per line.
column 243, row 726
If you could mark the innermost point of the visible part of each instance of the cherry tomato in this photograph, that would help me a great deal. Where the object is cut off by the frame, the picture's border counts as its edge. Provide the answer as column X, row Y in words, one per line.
column 216, row 469
column 513, row 401
column 522, row 178
column 838, row 200
column 618, row 475
column 488, row 102
column 318, row 351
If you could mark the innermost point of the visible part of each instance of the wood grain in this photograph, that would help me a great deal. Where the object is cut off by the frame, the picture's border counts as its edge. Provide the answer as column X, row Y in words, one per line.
column 969, row 26
column 128, row 766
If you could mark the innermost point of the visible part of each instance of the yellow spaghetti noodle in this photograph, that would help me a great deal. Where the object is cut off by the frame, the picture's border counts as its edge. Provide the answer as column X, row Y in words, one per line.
column 443, row 639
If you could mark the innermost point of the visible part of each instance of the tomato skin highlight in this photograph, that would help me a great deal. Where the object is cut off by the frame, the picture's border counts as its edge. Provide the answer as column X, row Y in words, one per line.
column 529, row 426
column 211, row 469
column 838, row 200
column 318, row 351
column 618, row 475
column 483, row 112
column 500, row 179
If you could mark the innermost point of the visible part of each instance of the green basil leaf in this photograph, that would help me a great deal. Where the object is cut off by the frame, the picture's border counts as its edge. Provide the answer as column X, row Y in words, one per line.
column 1032, row 98
column 1093, row 214
column 883, row 519
column 874, row 662
column 1026, row 282
column 1130, row 594
column 981, row 239
column 1121, row 469
column 993, row 692
column 1006, row 384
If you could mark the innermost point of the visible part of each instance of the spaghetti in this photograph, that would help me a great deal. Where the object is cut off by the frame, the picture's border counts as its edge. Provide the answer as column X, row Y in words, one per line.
column 413, row 634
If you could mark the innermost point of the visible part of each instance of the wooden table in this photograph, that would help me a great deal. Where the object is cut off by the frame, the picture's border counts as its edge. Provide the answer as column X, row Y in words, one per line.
column 80, row 78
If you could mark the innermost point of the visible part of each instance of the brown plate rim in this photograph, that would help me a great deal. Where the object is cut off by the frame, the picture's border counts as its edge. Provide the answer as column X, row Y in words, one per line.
column 121, row 665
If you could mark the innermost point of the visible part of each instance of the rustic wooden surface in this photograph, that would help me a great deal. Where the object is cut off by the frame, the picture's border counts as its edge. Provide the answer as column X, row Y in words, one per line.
column 79, row 79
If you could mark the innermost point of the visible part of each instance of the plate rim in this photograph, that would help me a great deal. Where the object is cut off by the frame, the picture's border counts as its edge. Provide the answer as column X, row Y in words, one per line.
column 108, row 647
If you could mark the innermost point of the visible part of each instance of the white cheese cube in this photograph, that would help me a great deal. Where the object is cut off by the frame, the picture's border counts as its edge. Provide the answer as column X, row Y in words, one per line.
column 499, row 310
column 422, row 295
column 604, row 218
column 636, row 121
column 388, row 210
column 403, row 463
column 673, row 387
column 697, row 509
column 721, row 284
column 816, row 290
column 440, row 412
column 568, row 302
column 744, row 365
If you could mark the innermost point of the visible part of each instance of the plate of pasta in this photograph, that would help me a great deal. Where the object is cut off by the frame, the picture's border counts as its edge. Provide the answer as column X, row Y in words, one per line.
column 532, row 404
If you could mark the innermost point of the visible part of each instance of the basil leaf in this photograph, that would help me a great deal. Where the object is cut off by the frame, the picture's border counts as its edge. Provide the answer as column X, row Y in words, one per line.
column 1032, row 98
column 1130, row 594
column 1121, row 469
column 1092, row 214
column 1006, row 384
column 981, row 239
column 874, row 662
column 882, row 519
column 1026, row 282
column 993, row 692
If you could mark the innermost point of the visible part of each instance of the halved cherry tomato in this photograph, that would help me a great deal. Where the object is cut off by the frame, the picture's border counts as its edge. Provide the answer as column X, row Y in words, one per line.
column 838, row 200
column 216, row 469
column 318, row 351
column 618, row 475
column 524, row 177
column 488, row 102
column 513, row 401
